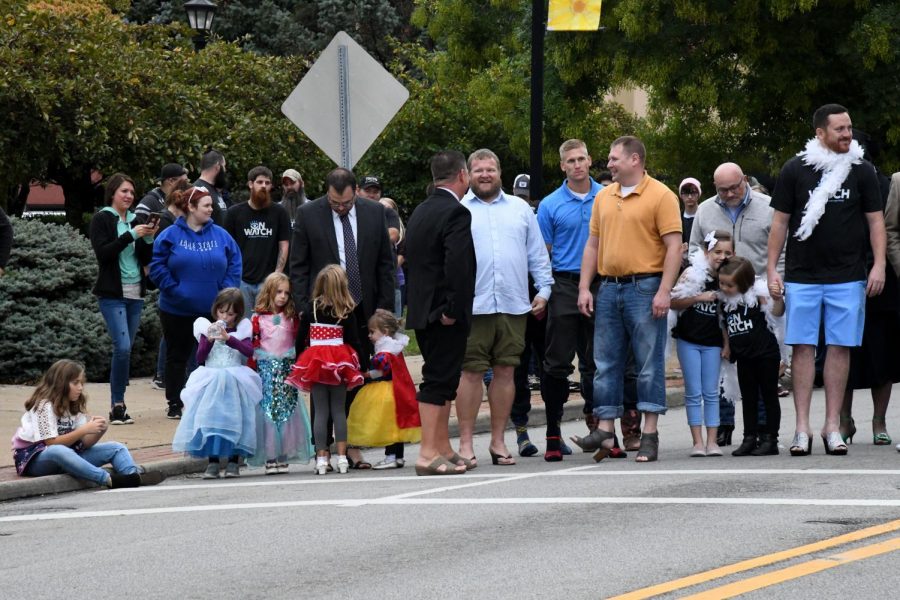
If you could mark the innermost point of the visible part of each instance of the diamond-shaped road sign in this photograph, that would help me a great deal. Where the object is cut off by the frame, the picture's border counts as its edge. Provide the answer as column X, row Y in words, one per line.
column 344, row 101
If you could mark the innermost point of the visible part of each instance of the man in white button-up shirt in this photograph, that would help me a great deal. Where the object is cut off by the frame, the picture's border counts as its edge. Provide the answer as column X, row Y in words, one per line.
column 508, row 246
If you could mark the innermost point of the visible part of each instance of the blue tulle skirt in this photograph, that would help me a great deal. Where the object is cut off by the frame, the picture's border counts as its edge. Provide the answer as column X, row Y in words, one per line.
column 219, row 415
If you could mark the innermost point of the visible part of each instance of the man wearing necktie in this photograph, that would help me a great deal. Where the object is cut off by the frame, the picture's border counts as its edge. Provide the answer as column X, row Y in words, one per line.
column 342, row 228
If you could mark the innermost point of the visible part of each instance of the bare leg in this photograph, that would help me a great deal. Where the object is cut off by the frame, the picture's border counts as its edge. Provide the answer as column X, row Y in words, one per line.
column 697, row 437
column 837, row 365
column 435, row 433
column 881, row 396
column 500, row 395
column 468, row 401
column 803, row 371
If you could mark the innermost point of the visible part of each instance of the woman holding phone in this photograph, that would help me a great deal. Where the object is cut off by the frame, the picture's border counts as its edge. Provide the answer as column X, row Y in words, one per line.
column 122, row 252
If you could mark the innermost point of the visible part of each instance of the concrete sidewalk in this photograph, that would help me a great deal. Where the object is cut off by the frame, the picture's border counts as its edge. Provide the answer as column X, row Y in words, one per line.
column 150, row 437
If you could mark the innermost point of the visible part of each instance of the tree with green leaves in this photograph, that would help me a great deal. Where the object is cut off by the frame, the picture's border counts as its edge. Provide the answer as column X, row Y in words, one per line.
column 727, row 80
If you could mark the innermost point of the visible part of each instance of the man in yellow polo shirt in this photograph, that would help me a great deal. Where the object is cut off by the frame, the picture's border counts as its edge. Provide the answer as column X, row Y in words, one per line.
column 635, row 247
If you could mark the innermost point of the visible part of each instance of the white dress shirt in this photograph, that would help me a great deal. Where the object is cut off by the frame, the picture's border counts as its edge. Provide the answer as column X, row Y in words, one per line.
column 508, row 246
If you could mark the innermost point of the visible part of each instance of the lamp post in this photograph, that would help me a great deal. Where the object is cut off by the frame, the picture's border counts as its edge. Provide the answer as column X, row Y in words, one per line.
column 200, row 15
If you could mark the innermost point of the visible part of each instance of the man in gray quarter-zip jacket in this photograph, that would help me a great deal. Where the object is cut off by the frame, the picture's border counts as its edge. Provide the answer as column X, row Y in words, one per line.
column 744, row 213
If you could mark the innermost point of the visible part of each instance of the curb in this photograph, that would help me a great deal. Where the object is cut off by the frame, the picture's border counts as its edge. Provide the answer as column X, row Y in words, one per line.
column 27, row 487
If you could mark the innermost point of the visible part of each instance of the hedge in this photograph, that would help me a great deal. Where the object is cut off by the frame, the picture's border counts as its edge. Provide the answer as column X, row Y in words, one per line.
column 47, row 310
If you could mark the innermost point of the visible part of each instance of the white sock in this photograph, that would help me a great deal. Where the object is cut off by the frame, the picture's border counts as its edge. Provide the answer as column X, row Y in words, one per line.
column 390, row 458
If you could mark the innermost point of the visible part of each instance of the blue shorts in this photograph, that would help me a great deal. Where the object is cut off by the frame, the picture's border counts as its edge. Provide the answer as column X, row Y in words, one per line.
column 841, row 306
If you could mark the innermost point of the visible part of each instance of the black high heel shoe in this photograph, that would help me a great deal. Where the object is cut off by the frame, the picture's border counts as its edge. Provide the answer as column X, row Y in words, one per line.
column 508, row 460
column 723, row 437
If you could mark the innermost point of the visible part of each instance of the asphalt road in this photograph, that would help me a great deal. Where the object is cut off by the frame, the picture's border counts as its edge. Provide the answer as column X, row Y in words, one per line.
column 574, row 529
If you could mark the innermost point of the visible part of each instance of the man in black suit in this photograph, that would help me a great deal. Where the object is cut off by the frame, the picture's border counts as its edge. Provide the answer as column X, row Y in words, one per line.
column 440, row 259
column 329, row 229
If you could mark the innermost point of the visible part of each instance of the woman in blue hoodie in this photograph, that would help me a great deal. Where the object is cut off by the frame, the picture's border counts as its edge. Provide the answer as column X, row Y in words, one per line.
column 122, row 253
column 192, row 260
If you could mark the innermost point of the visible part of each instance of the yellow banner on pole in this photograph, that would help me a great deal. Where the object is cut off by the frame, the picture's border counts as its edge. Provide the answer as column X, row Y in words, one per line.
column 574, row 15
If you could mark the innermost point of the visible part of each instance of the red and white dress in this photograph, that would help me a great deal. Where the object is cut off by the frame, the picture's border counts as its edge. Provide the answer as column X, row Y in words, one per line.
column 327, row 360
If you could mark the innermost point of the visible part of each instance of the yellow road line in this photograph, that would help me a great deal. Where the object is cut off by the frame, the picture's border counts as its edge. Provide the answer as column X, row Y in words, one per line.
column 761, row 561
column 802, row 570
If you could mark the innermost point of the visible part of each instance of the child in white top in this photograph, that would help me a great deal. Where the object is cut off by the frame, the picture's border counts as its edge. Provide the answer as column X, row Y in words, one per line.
column 56, row 436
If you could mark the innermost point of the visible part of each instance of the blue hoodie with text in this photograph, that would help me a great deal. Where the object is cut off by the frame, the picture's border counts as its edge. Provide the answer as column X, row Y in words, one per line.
column 190, row 267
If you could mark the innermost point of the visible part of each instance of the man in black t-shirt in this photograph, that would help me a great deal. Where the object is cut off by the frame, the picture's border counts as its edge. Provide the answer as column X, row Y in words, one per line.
column 824, row 199
column 213, row 180
column 262, row 230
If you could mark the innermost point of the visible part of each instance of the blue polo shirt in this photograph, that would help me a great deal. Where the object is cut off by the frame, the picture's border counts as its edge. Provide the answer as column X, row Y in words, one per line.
column 564, row 219
column 734, row 213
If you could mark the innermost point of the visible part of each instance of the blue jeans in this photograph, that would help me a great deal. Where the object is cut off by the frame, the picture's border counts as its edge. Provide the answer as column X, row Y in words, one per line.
column 122, row 316
column 623, row 313
column 58, row 459
column 249, row 291
column 700, row 367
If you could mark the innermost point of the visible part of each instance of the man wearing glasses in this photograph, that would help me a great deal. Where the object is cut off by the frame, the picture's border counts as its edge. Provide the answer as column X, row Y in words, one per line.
column 740, row 210
column 344, row 229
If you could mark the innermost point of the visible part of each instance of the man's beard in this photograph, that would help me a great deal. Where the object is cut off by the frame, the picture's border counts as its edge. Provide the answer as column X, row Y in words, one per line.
column 486, row 191
column 261, row 197
column 220, row 181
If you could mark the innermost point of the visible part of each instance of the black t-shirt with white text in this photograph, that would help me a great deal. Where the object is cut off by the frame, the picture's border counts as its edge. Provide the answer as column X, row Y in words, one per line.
column 836, row 250
column 749, row 336
column 257, row 233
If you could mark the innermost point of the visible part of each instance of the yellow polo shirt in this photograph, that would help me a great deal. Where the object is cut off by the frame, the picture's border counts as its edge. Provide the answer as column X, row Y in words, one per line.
column 630, row 229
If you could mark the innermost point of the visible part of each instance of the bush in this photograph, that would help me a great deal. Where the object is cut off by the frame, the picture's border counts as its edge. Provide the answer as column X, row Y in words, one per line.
column 47, row 310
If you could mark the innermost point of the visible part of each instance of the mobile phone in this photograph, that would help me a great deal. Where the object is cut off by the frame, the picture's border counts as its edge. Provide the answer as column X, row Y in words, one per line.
column 153, row 219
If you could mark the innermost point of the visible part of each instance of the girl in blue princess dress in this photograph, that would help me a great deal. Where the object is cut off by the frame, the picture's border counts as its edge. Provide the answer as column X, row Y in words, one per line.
column 220, row 397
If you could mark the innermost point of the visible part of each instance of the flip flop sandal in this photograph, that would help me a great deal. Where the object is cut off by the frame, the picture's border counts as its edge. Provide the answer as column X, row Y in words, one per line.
column 470, row 463
column 649, row 450
column 434, row 468
column 361, row 465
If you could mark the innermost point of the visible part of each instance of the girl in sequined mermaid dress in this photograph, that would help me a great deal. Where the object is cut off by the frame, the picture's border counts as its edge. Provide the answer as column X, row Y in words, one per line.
column 282, row 425
column 220, row 397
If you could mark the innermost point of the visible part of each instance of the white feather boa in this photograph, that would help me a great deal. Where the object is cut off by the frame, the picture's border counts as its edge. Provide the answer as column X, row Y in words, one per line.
column 693, row 280
column 835, row 168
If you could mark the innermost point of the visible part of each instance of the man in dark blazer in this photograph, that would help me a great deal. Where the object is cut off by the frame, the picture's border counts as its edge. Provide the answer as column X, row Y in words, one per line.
column 320, row 239
column 440, row 260
column 315, row 244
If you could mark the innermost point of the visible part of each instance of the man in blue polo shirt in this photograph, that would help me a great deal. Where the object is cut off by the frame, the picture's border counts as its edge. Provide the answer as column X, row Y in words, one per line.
column 564, row 217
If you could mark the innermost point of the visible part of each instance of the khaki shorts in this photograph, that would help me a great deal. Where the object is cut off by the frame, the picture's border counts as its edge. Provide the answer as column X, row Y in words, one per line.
column 495, row 340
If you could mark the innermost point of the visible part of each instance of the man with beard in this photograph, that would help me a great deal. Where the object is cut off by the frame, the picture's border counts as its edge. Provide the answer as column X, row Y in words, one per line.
column 262, row 231
column 293, row 194
column 825, row 197
column 212, row 179
column 508, row 247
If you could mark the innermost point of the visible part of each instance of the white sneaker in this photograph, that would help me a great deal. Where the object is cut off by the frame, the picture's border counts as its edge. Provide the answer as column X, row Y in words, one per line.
column 283, row 468
column 271, row 468
column 343, row 464
column 389, row 463
column 321, row 465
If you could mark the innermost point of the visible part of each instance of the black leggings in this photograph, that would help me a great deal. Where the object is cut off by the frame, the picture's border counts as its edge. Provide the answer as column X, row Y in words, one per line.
column 179, row 333
column 328, row 401
column 758, row 378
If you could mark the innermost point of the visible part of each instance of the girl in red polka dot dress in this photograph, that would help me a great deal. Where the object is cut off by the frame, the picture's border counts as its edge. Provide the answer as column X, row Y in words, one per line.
column 329, row 366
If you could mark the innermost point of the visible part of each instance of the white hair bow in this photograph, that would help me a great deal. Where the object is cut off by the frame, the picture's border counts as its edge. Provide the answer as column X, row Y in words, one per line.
column 710, row 240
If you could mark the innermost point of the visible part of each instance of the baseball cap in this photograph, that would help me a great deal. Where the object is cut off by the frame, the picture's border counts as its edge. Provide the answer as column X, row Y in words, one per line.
column 370, row 181
column 690, row 181
column 291, row 174
column 172, row 170
column 522, row 185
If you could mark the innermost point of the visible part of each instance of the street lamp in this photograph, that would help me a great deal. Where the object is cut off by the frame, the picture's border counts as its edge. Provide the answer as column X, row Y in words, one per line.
column 200, row 15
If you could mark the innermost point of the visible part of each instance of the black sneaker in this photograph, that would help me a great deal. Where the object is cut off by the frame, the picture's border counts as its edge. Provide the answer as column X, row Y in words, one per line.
column 174, row 412
column 118, row 416
column 157, row 383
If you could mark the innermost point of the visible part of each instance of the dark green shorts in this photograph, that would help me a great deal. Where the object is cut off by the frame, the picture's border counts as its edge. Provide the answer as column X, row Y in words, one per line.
column 495, row 340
